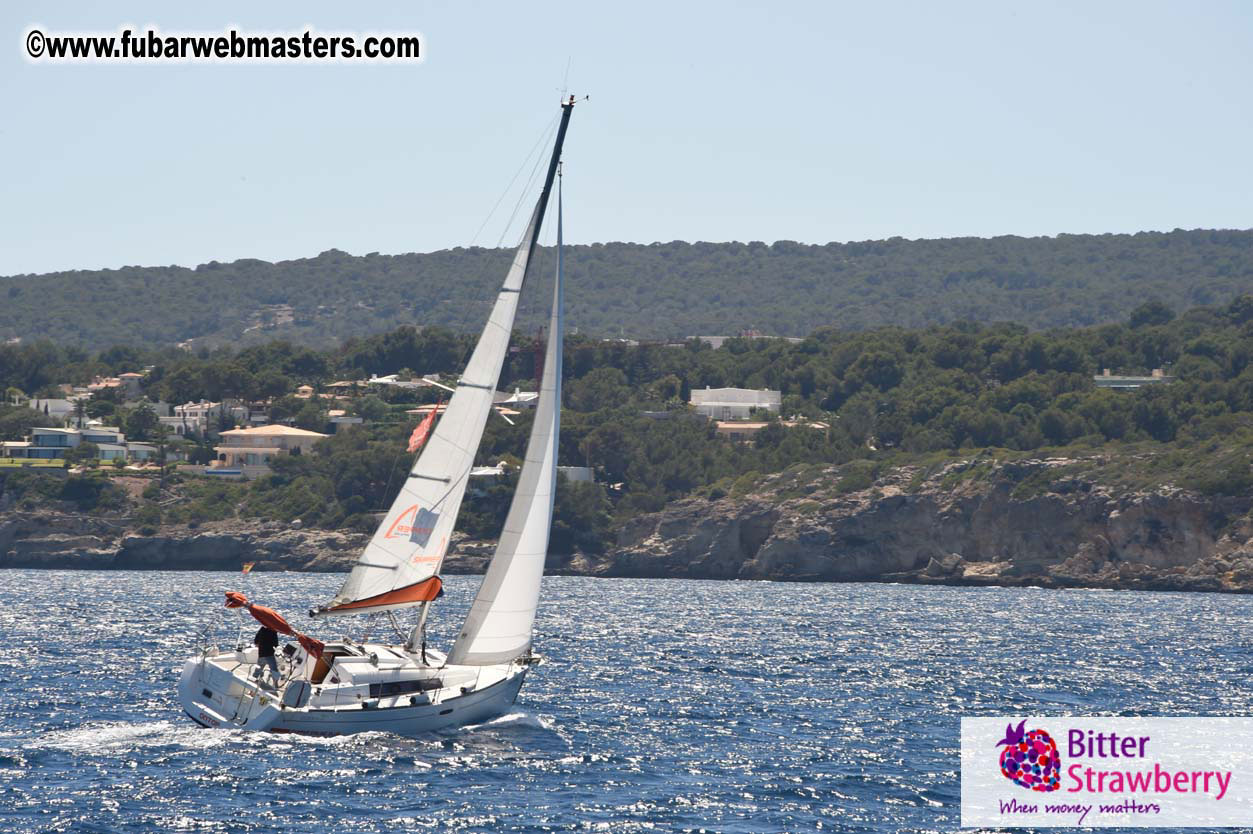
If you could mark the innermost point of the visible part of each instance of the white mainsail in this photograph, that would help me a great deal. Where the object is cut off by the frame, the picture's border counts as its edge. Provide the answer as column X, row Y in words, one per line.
column 498, row 627
column 398, row 567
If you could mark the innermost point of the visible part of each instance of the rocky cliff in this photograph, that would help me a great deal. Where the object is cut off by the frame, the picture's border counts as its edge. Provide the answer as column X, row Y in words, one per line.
column 980, row 521
column 977, row 522
column 59, row 540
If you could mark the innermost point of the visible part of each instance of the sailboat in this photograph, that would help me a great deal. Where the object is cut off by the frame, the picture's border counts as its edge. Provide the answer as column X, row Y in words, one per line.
column 407, row 687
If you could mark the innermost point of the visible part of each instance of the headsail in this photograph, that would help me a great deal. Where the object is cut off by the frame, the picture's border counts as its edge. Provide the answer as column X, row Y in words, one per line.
column 398, row 567
column 498, row 627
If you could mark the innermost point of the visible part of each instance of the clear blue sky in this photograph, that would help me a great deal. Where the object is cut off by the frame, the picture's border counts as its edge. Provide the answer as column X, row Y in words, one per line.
column 707, row 121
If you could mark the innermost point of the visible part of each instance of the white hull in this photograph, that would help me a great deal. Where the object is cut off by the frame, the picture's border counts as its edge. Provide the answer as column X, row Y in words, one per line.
column 219, row 690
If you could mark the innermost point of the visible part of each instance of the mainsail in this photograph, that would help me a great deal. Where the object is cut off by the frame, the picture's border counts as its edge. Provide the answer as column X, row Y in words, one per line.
column 399, row 566
column 498, row 627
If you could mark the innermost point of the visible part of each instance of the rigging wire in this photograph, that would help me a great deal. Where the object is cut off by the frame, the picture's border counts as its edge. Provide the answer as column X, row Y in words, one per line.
column 537, row 146
column 526, row 191
column 531, row 304
column 549, row 132
column 388, row 498
column 526, row 301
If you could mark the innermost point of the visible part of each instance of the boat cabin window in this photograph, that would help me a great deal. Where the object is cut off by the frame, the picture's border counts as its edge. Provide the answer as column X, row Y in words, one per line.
column 390, row 688
column 323, row 667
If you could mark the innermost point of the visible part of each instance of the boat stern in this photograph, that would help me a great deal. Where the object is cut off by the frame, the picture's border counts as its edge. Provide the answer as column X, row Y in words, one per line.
column 195, row 698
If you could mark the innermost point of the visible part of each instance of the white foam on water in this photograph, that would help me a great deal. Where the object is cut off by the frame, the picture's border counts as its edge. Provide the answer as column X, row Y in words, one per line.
column 520, row 718
column 126, row 735
column 325, row 741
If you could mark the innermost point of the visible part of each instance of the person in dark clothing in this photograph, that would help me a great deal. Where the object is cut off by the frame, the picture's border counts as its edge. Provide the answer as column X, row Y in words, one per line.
column 266, row 642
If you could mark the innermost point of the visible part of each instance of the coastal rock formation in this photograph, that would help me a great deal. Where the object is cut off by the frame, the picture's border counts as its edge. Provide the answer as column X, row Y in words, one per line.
column 55, row 540
column 972, row 522
column 980, row 521
column 62, row 540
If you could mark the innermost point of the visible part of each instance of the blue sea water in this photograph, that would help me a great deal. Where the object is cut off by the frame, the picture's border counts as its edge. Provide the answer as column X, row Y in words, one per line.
column 667, row 705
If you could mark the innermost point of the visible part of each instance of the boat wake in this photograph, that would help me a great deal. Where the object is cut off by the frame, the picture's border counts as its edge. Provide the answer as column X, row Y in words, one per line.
column 124, row 735
column 520, row 718
column 514, row 735
column 112, row 738
column 366, row 739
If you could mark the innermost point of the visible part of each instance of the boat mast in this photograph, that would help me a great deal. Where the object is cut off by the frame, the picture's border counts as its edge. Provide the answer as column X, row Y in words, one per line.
column 417, row 637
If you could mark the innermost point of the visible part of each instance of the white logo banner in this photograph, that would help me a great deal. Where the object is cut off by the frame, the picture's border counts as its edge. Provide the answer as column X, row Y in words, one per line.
column 1067, row 771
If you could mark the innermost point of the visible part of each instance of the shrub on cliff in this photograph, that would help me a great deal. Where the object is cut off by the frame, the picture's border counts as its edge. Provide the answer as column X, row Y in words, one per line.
column 148, row 518
column 204, row 500
column 1234, row 478
column 93, row 493
column 582, row 518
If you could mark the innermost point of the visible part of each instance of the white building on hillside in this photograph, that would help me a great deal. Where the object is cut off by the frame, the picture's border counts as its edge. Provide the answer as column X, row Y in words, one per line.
column 203, row 409
column 128, row 384
column 518, row 399
column 248, row 452
column 185, row 426
column 195, row 419
column 1107, row 379
column 51, row 443
column 57, row 409
column 575, row 474
column 734, row 403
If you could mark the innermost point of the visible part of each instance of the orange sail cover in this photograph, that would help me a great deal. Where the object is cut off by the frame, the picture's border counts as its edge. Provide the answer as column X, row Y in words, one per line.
column 270, row 618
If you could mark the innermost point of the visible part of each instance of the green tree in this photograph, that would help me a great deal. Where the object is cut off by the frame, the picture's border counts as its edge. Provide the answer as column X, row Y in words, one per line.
column 311, row 416
column 97, row 408
column 581, row 518
column 141, row 423
column 85, row 452
column 17, row 421
column 286, row 408
column 1150, row 313
column 601, row 388
column 877, row 368
column 370, row 408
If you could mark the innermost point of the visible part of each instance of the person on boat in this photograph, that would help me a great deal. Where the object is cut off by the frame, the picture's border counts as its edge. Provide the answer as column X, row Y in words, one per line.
column 266, row 641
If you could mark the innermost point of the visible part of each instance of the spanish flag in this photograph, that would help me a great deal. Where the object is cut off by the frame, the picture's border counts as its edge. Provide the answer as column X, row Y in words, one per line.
column 247, row 567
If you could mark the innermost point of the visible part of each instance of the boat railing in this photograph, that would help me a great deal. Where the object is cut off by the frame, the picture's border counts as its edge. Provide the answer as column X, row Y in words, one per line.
column 254, row 690
column 249, row 697
column 203, row 640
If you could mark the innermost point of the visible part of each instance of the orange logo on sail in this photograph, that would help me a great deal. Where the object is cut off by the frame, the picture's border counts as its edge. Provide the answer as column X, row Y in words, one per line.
column 414, row 524
column 403, row 525
column 420, row 557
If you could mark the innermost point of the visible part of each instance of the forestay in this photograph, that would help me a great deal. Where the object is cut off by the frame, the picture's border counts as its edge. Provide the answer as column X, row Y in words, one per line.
column 498, row 627
column 398, row 567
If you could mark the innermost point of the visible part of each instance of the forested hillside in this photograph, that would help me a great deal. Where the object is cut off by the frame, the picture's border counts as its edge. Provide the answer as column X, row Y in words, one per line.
column 872, row 399
column 658, row 291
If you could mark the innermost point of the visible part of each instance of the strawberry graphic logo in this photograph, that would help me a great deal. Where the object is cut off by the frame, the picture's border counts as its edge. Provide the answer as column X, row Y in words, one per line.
column 1030, row 758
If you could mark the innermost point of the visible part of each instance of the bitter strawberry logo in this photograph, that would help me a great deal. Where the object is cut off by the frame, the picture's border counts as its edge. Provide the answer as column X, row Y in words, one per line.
column 1030, row 758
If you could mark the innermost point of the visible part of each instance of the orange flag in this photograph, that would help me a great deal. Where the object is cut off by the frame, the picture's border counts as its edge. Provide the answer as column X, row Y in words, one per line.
column 424, row 428
column 248, row 566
